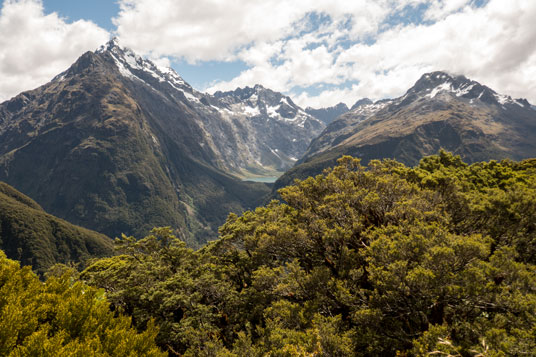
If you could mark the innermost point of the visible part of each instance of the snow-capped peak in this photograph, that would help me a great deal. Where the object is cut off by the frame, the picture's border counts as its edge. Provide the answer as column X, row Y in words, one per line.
column 432, row 84
column 261, row 102
column 136, row 67
column 109, row 46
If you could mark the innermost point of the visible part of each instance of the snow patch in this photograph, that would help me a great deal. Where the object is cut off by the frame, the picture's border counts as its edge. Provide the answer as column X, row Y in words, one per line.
column 284, row 100
column 463, row 90
column 254, row 97
column 275, row 153
column 127, row 61
column 506, row 99
column 60, row 77
column 519, row 103
column 123, row 70
column 132, row 60
column 251, row 111
column 446, row 86
column 502, row 99
column 272, row 112
column 368, row 110
column 189, row 96
column 172, row 76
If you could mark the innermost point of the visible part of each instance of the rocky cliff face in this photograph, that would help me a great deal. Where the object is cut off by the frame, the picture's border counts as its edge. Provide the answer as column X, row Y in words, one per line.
column 327, row 115
column 120, row 145
column 269, row 130
column 439, row 111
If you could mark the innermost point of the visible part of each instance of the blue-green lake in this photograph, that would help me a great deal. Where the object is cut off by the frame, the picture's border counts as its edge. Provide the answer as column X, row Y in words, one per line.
column 267, row 179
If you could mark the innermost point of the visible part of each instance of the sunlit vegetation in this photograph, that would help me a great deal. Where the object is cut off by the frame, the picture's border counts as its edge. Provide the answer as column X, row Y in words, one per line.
column 372, row 261
column 63, row 317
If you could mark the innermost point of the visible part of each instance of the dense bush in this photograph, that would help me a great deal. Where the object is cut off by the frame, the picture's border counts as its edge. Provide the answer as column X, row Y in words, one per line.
column 63, row 317
column 377, row 260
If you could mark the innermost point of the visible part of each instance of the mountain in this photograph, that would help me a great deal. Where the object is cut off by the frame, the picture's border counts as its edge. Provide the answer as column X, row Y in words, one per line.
column 270, row 132
column 440, row 111
column 119, row 145
column 36, row 238
column 361, row 102
column 344, row 126
column 327, row 115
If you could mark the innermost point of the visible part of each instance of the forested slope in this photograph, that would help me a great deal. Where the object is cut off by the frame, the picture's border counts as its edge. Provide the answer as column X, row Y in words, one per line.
column 36, row 238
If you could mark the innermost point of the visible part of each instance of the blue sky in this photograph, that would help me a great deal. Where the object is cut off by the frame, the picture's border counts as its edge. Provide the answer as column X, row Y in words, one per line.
column 102, row 12
column 320, row 52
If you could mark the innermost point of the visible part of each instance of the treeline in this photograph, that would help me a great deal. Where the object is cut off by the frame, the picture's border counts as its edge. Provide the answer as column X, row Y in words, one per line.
column 360, row 261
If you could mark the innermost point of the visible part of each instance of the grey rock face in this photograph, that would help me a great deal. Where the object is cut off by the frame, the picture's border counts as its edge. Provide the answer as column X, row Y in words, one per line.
column 327, row 115
column 360, row 102
column 270, row 129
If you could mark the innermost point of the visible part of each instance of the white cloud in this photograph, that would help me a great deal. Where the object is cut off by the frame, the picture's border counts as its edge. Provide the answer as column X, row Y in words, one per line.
column 288, row 45
column 439, row 9
column 35, row 47
column 198, row 30
column 495, row 44
column 327, row 99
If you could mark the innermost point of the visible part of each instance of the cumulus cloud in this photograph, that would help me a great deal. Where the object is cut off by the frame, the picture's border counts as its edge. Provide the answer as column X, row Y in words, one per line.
column 319, row 51
column 198, row 30
column 35, row 47
column 293, row 46
column 495, row 45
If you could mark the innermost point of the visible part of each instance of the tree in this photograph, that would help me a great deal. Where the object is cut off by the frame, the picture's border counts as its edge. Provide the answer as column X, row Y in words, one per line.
column 369, row 261
column 63, row 317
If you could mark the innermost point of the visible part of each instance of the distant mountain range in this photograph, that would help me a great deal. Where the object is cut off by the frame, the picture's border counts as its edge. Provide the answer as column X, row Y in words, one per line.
column 327, row 115
column 119, row 145
column 439, row 111
column 271, row 131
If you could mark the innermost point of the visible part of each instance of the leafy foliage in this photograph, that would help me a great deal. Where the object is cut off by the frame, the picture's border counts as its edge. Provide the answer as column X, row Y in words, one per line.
column 376, row 260
column 62, row 317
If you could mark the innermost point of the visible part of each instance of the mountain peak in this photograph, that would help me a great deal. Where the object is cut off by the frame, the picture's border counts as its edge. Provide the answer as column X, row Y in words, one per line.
column 360, row 102
column 255, row 93
column 109, row 46
column 435, row 83
column 429, row 81
column 135, row 67
column 327, row 115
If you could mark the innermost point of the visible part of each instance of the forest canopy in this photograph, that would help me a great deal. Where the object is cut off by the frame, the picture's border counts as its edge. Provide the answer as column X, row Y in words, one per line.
column 63, row 317
column 376, row 260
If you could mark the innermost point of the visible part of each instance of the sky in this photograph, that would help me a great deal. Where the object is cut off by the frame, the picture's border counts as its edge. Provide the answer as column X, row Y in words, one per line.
column 319, row 52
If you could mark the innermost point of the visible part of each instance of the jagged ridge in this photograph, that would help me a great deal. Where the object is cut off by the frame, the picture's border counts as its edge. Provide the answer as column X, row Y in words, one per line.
column 440, row 111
